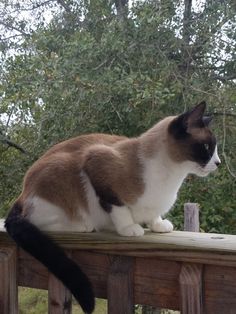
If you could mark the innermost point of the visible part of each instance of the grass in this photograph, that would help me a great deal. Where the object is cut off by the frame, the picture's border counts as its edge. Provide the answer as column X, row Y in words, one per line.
column 35, row 301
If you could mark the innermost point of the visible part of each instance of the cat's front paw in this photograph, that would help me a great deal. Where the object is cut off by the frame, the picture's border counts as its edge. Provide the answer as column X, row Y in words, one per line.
column 134, row 230
column 162, row 226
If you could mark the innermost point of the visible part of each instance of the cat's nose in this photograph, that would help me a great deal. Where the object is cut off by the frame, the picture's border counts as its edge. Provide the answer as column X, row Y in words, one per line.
column 217, row 163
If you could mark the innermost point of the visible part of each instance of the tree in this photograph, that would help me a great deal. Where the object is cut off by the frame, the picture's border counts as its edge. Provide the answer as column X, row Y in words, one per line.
column 109, row 67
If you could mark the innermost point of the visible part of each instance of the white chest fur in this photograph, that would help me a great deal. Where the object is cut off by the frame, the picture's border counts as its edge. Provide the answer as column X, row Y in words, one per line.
column 162, row 182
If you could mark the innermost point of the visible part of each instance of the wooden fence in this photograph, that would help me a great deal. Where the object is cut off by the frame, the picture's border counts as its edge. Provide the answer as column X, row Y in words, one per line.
column 187, row 271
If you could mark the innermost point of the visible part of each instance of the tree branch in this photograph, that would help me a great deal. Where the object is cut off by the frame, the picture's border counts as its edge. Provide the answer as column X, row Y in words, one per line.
column 10, row 143
column 229, row 114
column 64, row 5
column 224, row 78
column 14, row 145
column 33, row 7
column 13, row 28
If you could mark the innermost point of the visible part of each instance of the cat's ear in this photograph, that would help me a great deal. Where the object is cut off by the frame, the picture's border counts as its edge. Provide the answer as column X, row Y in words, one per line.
column 195, row 116
column 181, row 126
column 207, row 120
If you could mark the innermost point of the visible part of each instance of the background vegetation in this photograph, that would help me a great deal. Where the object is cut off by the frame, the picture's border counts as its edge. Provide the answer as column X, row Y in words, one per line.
column 34, row 301
column 76, row 66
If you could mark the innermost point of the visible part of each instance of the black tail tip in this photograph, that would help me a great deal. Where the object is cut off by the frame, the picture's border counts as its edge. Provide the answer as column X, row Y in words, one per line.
column 86, row 299
column 89, row 307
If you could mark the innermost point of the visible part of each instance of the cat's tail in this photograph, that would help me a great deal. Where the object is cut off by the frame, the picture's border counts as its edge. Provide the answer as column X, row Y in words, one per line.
column 39, row 245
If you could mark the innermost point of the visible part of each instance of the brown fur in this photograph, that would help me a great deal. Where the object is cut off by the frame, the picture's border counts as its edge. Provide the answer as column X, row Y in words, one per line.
column 56, row 176
column 117, row 168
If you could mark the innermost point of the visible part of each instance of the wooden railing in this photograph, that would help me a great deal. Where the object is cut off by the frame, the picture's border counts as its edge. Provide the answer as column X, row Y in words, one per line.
column 187, row 271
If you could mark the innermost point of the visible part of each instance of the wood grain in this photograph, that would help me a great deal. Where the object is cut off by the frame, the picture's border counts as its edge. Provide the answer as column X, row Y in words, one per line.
column 8, row 277
column 96, row 266
column 191, row 288
column 31, row 273
column 220, row 290
column 156, row 283
column 120, row 285
column 59, row 298
column 177, row 240
column 191, row 217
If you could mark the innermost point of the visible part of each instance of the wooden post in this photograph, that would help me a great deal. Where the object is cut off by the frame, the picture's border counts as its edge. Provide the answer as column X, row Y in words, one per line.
column 59, row 298
column 191, row 217
column 120, row 286
column 190, row 278
column 8, row 281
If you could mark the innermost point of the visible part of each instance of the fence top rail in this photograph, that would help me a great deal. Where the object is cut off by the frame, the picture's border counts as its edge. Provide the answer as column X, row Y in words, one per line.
column 174, row 241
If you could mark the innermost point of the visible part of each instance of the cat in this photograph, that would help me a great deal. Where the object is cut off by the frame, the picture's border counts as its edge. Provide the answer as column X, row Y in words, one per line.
column 108, row 182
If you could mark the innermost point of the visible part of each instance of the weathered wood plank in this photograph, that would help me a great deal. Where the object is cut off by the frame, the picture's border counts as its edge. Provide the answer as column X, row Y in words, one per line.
column 8, row 281
column 191, row 217
column 191, row 274
column 152, row 242
column 96, row 266
column 120, row 286
column 156, row 283
column 176, row 240
column 59, row 298
column 220, row 290
column 191, row 288
column 31, row 273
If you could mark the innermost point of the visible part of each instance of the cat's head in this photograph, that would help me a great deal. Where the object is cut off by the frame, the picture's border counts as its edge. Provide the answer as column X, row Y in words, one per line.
column 192, row 141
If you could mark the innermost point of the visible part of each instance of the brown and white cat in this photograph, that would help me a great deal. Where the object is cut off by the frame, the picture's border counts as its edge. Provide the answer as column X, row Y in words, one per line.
column 104, row 182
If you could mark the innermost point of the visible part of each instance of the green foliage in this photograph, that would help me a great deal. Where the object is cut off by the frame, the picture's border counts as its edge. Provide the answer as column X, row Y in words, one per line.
column 91, row 69
column 35, row 301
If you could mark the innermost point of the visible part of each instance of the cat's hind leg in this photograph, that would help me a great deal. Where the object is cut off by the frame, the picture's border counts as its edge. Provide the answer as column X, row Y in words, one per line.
column 124, row 223
column 161, row 225
column 49, row 217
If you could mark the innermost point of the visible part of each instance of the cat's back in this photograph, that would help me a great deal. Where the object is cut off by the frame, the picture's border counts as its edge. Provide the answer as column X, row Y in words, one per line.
column 81, row 143
column 65, row 159
column 60, row 167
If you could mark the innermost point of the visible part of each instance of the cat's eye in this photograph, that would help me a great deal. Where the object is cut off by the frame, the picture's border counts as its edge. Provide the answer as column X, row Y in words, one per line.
column 207, row 146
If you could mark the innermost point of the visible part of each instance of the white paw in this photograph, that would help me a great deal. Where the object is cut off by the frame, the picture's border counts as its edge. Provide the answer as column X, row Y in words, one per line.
column 134, row 230
column 84, row 227
column 162, row 226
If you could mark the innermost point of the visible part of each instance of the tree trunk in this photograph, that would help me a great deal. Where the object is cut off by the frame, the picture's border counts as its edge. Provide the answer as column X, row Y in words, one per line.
column 121, row 8
column 186, row 48
column 187, row 21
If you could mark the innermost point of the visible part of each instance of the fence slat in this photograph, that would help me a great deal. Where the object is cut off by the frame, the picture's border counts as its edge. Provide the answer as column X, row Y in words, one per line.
column 190, row 278
column 191, row 288
column 8, row 281
column 120, row 286
column 59, row 298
